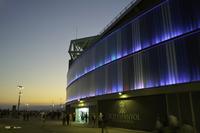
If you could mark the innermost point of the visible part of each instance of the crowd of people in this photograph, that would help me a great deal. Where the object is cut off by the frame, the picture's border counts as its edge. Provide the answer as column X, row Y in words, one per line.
column 172, row 125
column 93, row 119
column 4, row 113
column 27, row 114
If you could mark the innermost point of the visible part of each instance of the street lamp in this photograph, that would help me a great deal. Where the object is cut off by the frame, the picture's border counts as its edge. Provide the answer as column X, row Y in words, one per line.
column 20, row 87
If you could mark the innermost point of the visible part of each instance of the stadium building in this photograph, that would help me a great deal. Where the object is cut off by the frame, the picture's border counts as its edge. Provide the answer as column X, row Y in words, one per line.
column 143, row 66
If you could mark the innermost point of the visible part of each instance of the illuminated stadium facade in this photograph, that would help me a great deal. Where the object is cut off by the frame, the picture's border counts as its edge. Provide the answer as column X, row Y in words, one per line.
column 145, row 65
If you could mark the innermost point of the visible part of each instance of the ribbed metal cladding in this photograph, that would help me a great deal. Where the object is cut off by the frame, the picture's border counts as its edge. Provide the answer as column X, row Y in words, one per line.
column 160, row 47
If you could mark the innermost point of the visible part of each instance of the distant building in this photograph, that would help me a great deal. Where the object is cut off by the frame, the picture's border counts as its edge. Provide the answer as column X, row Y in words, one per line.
column 144, row 65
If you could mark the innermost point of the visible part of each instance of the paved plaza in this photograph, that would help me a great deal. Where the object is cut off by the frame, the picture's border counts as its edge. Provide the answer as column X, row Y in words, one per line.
column 36, row 126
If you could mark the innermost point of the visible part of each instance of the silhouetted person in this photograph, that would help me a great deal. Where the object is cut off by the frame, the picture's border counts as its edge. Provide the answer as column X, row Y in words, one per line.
column 100, row 120
column 82, row 116
column 63, row 118
column 172, row 125
column 0, row 114
column 185, row 128
column 158, row 126
column 104, row 123
column 27, row 116
column 94, row 120
column 86, row 117
column 67, row 118
column 73, row 116
column 58, row 115
column 70, row 118
column 24, row 116
column 43, row 117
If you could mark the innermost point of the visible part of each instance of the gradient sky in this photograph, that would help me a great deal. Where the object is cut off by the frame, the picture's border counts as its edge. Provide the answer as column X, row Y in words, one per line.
column 34, row 40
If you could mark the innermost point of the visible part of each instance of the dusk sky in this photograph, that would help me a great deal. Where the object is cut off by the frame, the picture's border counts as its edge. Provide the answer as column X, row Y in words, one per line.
column 34, row 40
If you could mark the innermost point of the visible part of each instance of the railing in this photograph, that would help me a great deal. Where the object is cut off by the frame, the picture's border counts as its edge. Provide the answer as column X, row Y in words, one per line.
column 118, row 16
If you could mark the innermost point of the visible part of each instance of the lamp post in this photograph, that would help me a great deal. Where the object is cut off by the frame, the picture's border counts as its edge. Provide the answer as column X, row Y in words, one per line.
column 20, row 87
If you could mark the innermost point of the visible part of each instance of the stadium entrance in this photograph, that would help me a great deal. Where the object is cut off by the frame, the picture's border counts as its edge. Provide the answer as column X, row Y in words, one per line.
column 82, row 115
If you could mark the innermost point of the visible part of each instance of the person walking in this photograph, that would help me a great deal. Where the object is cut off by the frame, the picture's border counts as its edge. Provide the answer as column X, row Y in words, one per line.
column 43, row 117
column 67, row 118
column 86, row 117
column 185, row 128
column 158, row 126
column 94, row 120
column 63, row 118
column 104, row 124
column 171, row 125
column 100, row 119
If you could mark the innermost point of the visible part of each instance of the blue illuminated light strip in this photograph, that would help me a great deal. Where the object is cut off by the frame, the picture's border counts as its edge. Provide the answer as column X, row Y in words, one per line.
column 158, row 41
column 114, row 57
column 173, row 33
column 162, row 3
column 168, row 79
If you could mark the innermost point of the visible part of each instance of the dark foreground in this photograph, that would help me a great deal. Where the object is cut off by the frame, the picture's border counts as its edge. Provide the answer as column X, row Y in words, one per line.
column 36, row 126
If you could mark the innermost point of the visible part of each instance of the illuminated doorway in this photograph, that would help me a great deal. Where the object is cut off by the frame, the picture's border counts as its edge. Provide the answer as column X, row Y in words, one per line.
column 82, row 115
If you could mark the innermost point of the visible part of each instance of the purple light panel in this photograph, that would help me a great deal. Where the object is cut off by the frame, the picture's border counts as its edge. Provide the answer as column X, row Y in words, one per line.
column 80, row 68
column 102, row 70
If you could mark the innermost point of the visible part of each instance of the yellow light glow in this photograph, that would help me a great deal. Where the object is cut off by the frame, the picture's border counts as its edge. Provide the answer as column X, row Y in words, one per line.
column 81, row 101
column 124, row 96
column 81, row 104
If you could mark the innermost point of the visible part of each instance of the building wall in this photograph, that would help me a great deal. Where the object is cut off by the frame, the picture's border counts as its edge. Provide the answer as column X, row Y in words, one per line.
column 136, row 113
column 196, row 109
column 179, row 106
column 173, row 62
column 142, row 112
column 160, row 47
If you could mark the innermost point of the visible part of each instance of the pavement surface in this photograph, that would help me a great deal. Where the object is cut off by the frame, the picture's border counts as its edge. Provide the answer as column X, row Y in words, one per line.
column 36, row 126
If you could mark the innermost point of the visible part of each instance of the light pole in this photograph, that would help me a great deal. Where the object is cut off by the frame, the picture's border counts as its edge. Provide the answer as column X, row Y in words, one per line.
column 20, row 87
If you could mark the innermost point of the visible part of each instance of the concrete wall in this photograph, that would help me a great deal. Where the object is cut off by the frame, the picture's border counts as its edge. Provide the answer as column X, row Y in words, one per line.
column 136, row 113
column 141, row 112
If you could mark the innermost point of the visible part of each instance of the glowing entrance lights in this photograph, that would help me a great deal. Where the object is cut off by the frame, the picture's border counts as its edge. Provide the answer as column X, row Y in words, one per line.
column 120, row 93
column 81, row 114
